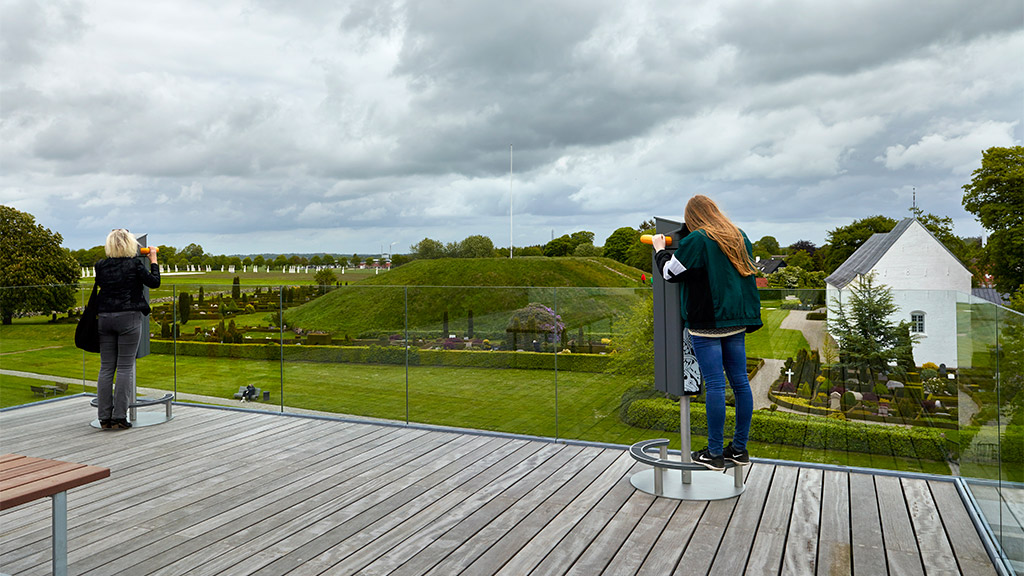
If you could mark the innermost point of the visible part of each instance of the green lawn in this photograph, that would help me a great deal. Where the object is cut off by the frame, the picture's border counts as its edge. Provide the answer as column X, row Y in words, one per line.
column 15, row 391
column 774, row 342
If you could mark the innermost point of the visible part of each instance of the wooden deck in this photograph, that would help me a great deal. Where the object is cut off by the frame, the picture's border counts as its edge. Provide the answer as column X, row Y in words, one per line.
column 229, row 492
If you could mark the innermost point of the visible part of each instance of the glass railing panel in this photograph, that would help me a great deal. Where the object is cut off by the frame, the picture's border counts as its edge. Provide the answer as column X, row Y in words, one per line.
column 792, row 365
column 834, row 399
column 343, row 352
column 37, row 348
column 600, row 326
column 484, row 358
column 991, row 340
column 208, row 340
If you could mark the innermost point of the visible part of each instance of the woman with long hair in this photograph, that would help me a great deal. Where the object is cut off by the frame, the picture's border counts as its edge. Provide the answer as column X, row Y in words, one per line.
column 720, row 304
column 121, row 310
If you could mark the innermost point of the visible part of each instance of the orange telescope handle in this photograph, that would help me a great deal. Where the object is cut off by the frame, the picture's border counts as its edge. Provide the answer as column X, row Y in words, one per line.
column 647, row 238
column 145, row 250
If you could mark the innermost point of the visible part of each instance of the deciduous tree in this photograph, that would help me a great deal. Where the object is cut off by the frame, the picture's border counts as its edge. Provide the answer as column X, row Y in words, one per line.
column 995, row 196
column 616, row 246
column 476, row 246
column 845, row 240
column 324, row 278
column 31, row 255
column 427, row 249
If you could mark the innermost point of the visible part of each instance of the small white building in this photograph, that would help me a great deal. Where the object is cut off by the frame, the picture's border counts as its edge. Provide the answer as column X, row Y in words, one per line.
column 926, row 280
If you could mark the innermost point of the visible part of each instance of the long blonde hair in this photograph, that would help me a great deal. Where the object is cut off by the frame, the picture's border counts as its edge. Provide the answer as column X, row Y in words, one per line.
column 121, row 244
column 703, row 214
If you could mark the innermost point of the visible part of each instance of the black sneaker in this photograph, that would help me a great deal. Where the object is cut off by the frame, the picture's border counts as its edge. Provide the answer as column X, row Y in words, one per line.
column 704, row 458
column 120, row 424
column 740, row 457
column 105, row 424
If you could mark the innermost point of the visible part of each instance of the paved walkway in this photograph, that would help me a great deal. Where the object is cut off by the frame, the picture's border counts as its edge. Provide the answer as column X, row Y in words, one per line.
column 813, row 330
column 762, row 382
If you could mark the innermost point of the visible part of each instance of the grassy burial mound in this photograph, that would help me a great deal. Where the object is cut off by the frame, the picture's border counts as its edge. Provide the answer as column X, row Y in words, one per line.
column 474, row 297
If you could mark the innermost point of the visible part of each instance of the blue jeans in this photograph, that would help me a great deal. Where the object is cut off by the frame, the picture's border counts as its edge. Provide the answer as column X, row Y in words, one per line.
column 120, row 333
column 718, row 358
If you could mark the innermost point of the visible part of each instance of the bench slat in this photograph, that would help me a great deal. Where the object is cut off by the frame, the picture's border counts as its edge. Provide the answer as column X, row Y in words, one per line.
column 12, row 463
column 31, row 465
column 48, row 486
column 29, row 474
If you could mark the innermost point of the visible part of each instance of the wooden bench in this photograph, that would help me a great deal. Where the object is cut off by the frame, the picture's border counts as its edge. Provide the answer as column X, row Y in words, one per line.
column 24, row 479
column 49, row 390
column 166, row 400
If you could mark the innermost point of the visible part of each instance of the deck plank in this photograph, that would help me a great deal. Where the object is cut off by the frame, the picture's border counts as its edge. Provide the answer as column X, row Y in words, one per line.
column 835, row 555
column 865, row 526
column 936, row 549
column 968, row 550
column 639, row 542
column 615, row 536
column 766, row 552
column 498, row 542
column 901, row 547
column 801, row 548
column 555, row 548
column 236, row 492
column 732, row 552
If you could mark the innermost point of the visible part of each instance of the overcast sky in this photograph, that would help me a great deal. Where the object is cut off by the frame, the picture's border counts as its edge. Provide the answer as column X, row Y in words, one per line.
column 254, row 126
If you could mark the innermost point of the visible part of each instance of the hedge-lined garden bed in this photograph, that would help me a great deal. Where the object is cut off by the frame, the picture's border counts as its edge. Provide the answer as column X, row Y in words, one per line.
column 387, row 355
column 799, row 405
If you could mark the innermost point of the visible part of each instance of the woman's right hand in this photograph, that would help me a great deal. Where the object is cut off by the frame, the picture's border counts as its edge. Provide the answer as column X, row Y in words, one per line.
column 658, row 242
column 152, row 256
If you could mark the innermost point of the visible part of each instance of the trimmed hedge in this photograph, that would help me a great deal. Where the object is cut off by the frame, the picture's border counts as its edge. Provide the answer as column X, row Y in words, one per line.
column 388, row 355
column 811, row 432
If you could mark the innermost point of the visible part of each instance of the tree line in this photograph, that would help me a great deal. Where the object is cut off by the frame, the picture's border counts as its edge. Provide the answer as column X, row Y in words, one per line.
column 31, row 255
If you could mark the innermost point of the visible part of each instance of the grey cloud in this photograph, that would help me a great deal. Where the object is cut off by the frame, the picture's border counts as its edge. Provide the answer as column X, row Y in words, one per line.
column 29, row 29
column 790, row 39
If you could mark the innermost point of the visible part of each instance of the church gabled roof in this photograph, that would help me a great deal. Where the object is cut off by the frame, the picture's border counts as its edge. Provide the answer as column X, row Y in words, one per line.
column 871, row 251
column 865, row 257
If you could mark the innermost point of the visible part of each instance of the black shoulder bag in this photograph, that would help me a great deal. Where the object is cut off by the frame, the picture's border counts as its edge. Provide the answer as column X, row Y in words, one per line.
column 87, row 334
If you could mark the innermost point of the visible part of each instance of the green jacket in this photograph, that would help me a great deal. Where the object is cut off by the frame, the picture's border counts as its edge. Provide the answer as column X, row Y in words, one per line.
column 713, row 294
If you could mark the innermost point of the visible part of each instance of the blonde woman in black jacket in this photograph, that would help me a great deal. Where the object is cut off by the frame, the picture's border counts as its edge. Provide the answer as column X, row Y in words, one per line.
column 121, row 308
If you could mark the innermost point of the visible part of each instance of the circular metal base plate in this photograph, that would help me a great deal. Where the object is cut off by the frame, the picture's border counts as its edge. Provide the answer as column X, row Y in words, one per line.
column 709, row 485
column 142, row 419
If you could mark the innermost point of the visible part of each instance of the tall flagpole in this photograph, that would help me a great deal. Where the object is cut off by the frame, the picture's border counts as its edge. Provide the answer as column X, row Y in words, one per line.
column 510, row 238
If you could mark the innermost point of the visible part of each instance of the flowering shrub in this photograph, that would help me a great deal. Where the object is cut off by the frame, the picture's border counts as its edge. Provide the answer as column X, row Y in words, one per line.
column 536, row 318
column 939, row 387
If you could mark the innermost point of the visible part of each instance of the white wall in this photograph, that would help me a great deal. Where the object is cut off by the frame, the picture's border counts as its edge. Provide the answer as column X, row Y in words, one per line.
column 917, row 261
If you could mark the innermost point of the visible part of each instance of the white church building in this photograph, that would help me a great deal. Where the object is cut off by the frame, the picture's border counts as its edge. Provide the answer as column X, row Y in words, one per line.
column 926, row 280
